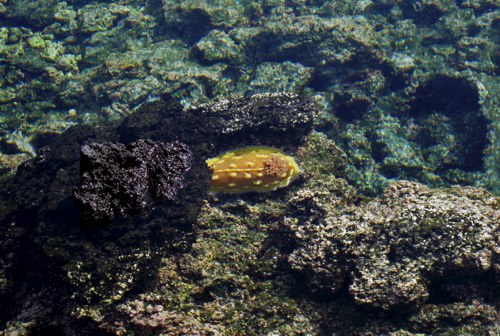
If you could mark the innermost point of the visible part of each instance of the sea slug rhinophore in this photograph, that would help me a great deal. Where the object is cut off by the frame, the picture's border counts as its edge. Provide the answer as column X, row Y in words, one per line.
column 252, row 169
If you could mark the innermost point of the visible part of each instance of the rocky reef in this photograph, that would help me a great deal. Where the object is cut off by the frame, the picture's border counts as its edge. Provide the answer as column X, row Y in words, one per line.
column 57, row 269
column 390, row 229
column 390, row 251
column 317, row 257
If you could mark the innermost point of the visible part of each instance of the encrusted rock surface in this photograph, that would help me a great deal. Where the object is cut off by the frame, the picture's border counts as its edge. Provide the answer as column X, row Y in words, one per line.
column 314, row 258
column 277, row 264
column 281, row 120
column 390, row 250
column 408, row 90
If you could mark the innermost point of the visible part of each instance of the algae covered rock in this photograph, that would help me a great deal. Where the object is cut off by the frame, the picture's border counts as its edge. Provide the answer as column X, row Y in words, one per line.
column 136, row 171
column 409, row 91
column 96, row 17
column 37, row 13
column 280, row 77
column 191, row 19
column 373, row 61
column 218, row 46
column 396, row 246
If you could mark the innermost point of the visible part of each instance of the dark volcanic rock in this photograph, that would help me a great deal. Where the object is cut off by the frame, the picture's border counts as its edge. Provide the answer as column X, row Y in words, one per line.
column 279, row 120
column 54, row 272
column 121, row 179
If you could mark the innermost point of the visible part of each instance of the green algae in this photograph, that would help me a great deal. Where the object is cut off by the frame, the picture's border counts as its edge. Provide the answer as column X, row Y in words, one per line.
column 370, row 58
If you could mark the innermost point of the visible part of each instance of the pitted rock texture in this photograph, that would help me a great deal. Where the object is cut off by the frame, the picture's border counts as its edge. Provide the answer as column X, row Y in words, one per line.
column 123, row 179
column 276, row 120
column 391, row 250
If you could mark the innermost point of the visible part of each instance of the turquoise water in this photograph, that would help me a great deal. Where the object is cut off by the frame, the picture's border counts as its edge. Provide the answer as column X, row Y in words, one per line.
column 409, row 90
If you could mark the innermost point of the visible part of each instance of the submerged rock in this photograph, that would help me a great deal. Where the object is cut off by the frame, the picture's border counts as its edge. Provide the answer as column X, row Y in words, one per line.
column 123, row 179
column 390, row 251
column 236, row 278
column 55, row 271
column 277, row 120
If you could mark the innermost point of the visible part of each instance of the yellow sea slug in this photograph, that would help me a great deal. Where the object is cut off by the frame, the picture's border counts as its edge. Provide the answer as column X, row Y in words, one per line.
column 252, row 169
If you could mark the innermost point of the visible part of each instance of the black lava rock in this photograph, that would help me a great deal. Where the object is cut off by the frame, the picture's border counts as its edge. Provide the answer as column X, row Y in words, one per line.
column 278, row 120
column 122, row 179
